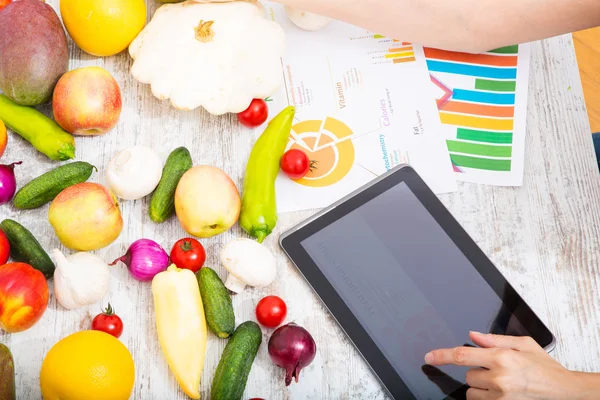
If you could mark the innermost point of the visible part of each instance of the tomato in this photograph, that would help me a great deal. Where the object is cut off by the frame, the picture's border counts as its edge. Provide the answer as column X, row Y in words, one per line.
column 271, row 311
column 295, row 164
column 108, row 322
column 4, row 248
column 255, row 115
column 188, row 254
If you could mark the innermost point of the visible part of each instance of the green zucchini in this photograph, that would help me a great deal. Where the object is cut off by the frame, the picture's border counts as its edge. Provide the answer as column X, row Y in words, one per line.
column 46, row 187
column 258, row 214
column 236, row 361
column 217, row 303
column 24, row 247
column 7, row 374
column 42, row 132
column 162, row 204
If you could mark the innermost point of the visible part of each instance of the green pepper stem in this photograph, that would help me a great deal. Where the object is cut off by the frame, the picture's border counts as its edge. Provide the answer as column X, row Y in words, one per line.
column 260, row 236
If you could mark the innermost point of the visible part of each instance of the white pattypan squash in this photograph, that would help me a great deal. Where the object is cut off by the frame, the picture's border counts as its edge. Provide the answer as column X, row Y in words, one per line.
column 218, row 55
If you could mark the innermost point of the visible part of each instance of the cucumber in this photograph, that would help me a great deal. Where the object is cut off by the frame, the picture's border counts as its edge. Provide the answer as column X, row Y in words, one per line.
column 217, row 303
column 236, row 361
column 46, row 187
column 43, row 133
column 24, row 247
column 162, row 204
column 7, row 374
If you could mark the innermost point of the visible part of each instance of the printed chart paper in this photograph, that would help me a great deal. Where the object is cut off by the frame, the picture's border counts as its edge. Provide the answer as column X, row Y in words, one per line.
column 363, row 106
column 482, row 102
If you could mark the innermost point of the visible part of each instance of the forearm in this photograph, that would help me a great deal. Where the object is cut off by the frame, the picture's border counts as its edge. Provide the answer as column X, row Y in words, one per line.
column 466, row 25
column 586, row 386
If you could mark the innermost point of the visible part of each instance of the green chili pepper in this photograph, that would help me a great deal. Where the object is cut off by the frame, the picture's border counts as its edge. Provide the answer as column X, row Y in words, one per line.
column 258, row 215
column 42, row 132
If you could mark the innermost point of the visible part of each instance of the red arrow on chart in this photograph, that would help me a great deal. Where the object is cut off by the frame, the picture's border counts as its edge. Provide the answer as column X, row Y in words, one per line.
column 447, row 92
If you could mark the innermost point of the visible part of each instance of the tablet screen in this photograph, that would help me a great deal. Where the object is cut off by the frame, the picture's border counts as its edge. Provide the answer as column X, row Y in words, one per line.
column 410, row 287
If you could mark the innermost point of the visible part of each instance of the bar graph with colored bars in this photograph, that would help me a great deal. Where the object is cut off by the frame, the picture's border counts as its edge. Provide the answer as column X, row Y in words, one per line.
column 397, row 52
column 388, row 51
column 482, row 113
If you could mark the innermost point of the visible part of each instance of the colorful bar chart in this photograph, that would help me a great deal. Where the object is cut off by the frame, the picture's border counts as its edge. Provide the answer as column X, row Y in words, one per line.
column 395, row 55
column 478, row 105
column 388, row 51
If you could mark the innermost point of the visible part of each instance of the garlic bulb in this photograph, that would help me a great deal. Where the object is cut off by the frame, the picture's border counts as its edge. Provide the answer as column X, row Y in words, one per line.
column 80, row 279
column 134, row 172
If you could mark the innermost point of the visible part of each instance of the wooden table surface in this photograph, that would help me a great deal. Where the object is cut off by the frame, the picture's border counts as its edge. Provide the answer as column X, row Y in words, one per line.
column 543, row 236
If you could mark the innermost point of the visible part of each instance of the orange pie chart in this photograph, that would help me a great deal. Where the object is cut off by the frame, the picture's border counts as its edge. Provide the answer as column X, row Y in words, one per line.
column 328, row 145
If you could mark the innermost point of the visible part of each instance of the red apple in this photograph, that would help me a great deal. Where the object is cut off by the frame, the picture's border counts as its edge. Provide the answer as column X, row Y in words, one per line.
column 3, row 136
column 87, row 101
column 23, row 296
column 4, row 3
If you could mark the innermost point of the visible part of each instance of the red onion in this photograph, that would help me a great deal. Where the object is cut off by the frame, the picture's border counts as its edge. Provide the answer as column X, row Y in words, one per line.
column 291, row 347
column 144, row 258
column 8, row 183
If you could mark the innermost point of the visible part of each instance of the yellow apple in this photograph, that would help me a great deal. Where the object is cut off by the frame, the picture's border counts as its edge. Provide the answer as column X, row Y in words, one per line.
column 207, row 203
column 86, row 217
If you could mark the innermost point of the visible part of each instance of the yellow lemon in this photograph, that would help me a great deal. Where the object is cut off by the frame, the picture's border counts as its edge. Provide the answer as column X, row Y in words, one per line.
column 103, row 27
column 87, row 365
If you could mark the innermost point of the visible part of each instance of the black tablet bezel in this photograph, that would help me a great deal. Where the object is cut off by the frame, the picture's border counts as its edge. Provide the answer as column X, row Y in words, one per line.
column 290, row 242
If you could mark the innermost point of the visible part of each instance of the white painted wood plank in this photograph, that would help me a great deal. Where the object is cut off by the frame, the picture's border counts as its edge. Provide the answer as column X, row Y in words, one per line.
column 543, row 237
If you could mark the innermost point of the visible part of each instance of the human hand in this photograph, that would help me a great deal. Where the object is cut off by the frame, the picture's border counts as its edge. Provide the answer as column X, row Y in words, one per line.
column 507, row 367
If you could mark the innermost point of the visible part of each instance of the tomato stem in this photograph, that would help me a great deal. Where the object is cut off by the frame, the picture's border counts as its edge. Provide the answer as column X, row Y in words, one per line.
column 186, row 245
column 313, row 165
column 109, row 310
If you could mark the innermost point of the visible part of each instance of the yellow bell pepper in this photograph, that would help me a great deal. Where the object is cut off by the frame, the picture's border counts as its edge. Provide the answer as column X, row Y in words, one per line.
column 181, row 326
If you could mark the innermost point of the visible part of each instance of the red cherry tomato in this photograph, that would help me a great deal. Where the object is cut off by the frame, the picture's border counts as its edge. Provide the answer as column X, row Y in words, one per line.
column 188, row 254
column 271, row 311
column 255, row 115
column 4, row 248
column 108, row 322
column 295, row 163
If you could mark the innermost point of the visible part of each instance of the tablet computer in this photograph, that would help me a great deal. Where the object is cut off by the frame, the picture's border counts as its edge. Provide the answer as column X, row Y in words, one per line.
column 402, row 277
